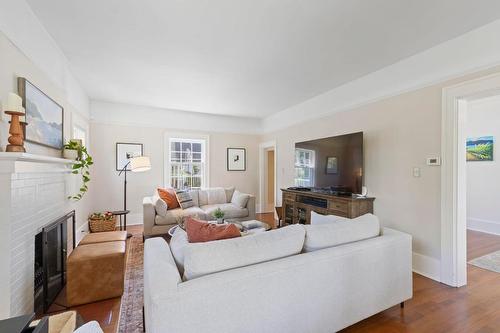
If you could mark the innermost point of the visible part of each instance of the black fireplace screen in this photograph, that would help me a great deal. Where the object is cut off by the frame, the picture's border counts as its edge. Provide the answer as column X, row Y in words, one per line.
column 50, row 262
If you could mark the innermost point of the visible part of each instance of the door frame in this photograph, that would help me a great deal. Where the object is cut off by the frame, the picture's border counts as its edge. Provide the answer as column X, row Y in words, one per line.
column 453, row 174
column 263, row 148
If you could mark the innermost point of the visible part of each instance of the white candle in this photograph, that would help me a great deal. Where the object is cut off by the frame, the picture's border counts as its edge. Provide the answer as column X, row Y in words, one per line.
column 14, row 103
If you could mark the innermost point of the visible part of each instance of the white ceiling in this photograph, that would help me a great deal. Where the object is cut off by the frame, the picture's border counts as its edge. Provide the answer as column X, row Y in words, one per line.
column 247, row 58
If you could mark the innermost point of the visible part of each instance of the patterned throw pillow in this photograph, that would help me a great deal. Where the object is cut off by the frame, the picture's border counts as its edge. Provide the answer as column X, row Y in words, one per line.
column 184, row 198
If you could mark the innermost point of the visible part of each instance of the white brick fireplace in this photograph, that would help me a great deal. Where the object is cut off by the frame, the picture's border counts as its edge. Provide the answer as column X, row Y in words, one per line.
column 33, row 193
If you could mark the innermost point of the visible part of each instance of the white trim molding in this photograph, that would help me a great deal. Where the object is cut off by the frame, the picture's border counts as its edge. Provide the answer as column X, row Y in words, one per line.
column 263, row 147
column 453, row 174
column 426, row 266
column 489, row 227
column 188, row 136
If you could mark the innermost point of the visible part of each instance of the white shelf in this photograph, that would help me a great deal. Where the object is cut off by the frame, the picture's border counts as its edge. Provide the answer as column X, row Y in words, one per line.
column 25, row 157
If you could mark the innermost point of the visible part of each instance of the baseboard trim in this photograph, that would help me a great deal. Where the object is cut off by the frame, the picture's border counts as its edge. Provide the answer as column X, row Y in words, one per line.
column 489, row 227
column 133, row 219
column 426, row 266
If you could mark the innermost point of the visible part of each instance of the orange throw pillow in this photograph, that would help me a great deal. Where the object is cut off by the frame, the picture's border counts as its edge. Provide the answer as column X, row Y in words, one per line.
column 168, row 195
column 201, row 231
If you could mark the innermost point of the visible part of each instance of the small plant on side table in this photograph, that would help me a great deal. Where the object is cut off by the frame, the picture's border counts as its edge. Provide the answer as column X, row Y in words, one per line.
column 219, row 215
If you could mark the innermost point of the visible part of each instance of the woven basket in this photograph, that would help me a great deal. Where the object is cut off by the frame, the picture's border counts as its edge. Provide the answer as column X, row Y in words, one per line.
column 101, row 225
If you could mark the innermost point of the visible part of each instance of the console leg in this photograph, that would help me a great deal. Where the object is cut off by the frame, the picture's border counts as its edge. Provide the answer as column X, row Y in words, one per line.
column 402, row 305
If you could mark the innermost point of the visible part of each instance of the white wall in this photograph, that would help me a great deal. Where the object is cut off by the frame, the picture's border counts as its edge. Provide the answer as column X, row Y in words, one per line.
column 14, row 63
column 107, row 187
column 483, row 178
column 399, row 134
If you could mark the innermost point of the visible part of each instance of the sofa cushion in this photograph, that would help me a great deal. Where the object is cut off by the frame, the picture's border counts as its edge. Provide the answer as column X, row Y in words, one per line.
column 318, row 219
column 211, row 257
column 178, row 244
column 168, row 195
column 231, row 211
column 195, row 197
column 240, row 199
column 161, row 206
column 173, row 215
column 201, row 231
column 216, row 195
column 341, row 232
column 202, row 197
column 229, row 193
column 184, row 198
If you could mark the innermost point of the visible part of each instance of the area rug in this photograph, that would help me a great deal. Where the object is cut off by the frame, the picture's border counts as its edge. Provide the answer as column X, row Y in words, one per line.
column 132, row 299
column 490, row 262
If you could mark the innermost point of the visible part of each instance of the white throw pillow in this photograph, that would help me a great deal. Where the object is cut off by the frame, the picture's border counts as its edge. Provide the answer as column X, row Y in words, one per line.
column 90, row 327
column 178, row 245
column 240, row 199
column 211, row 257
column 229, row 194
column 341, row 232
column 161, row 206
column 216, row 196
column 318, row 219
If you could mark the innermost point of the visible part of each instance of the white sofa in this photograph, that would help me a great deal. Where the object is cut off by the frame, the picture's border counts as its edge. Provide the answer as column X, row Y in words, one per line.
column 206, row 202
column 324, row 290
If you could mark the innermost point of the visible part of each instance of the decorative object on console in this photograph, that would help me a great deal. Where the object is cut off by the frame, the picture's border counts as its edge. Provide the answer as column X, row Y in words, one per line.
column 219, row 215
column 126, row 151
column 331, row 165
column 236, row 159
column 202, row 231
column 45, row 116
column 480, row 149
column 101, row 222
column 137, row 164
column 81, row 165
column 14, row 109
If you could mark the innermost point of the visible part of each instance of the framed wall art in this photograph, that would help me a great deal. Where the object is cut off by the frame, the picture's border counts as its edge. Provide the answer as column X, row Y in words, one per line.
column 125, row 151
column 236, row 159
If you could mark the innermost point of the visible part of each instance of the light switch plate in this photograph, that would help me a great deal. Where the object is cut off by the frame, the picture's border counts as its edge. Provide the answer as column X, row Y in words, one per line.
column 416, row 172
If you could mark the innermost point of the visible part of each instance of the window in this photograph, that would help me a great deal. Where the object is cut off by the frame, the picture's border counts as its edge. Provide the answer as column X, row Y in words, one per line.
column 80, row 134
column 187, row 163
column 304, row 167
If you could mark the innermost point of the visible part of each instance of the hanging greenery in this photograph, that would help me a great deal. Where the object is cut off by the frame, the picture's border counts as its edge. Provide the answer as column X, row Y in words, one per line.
column 82, row 166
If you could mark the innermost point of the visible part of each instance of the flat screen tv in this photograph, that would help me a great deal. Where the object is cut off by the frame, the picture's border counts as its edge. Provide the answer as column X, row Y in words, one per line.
column 331, row 164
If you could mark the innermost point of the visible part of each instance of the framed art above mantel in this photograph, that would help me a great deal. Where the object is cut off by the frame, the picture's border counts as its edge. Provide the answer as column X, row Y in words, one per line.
column 44, row 116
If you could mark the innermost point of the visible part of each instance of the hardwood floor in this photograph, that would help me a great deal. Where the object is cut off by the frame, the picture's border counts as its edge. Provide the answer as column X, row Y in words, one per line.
column 434, row 307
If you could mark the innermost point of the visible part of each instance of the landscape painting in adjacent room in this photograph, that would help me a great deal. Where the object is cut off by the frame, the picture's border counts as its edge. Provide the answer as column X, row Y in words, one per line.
column 43, row 115
column 480, row 148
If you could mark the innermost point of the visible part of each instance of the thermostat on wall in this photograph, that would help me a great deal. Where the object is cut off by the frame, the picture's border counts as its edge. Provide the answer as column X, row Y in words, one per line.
column 434, row 161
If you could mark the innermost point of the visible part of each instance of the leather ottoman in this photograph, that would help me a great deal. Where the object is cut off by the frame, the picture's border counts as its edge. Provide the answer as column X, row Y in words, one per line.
column 103, row 237
column 95, row 272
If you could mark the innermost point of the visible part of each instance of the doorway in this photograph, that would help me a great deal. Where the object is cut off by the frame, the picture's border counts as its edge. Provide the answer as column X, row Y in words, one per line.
column 456, row 101
column 267, row 176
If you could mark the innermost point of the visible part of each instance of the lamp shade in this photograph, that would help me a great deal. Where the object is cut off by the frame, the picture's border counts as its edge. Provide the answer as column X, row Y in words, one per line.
column 140, row 164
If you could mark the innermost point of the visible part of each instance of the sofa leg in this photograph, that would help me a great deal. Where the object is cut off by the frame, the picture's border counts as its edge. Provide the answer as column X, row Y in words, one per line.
column 143, row 321
column 402, row 305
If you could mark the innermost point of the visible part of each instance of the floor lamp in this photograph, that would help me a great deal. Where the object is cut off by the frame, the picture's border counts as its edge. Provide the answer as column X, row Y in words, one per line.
column 137, row 164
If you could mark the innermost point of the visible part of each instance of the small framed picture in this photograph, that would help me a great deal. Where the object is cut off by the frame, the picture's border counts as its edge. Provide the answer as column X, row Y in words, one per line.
column 332, row 166
column 125, row 151
column 236, row 159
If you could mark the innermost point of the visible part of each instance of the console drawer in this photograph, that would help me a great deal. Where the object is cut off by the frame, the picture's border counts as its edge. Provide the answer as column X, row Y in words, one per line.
column 339, row 206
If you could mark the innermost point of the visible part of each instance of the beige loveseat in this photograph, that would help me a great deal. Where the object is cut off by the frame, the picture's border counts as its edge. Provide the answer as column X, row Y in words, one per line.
column 206, row 201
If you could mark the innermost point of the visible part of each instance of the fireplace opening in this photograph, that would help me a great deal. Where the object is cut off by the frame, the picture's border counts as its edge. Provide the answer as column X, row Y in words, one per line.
column 50, row 262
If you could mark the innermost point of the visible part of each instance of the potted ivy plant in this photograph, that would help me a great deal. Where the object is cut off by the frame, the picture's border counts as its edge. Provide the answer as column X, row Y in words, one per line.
column 219, row 215
column 82, row 164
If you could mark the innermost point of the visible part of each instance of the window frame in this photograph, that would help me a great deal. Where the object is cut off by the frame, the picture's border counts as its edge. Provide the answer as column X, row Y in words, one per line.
column 312, row 169
column 205, row 179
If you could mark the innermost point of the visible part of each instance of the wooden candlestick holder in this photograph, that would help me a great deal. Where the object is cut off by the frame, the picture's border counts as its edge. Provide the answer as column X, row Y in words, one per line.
column 16, row 139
